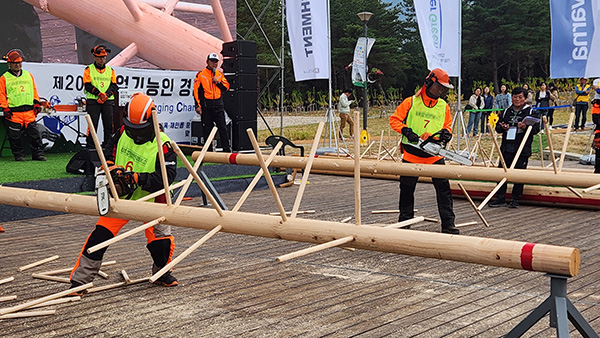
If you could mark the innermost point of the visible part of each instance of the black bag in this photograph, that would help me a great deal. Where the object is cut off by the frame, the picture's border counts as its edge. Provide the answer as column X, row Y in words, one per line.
column 84, row 162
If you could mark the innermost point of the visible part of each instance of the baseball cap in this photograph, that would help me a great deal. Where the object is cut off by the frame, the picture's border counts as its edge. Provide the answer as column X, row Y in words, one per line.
column 213, row 56
column 100, row 50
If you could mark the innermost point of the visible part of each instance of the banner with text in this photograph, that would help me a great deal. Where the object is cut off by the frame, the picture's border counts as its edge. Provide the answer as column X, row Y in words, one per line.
column 439, row 29
column 307, row 23
column 170, row 90
column 575, row 38
column 359, row 69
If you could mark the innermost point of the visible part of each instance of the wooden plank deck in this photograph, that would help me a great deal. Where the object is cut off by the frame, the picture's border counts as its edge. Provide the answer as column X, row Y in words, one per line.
column 232, row 286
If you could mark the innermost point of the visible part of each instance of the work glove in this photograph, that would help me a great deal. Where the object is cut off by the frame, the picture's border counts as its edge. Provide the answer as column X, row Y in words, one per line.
column 7, row 113
column 425, row 136
column 126, row 182
column 445, row 135
column 597, row 140
column 410, row 135
column 37, row 109
column 102, row 97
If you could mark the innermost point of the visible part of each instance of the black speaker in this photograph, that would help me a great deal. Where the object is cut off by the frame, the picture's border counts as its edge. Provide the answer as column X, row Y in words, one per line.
column 240, row 136
column 243, row 48
column 242, row 81
column 198, row 135
column 240, row 105
column 240, row 65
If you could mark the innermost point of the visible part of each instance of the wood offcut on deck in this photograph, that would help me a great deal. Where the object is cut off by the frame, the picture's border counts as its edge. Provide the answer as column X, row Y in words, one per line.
column 232, row 287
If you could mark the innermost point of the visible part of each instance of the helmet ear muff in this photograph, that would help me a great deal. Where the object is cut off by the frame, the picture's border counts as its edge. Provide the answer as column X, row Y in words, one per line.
column 430, row 79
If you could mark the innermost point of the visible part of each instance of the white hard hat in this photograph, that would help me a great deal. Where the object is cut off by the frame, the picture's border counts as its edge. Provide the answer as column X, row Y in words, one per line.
column 213, row 56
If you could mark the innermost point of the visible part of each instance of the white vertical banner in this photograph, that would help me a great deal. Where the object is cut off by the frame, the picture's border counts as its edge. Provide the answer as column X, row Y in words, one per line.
column 359, row 69
column 439, row 28
column 307, row 26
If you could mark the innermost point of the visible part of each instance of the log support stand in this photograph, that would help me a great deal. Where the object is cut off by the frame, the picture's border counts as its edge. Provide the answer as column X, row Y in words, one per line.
column 561, row 312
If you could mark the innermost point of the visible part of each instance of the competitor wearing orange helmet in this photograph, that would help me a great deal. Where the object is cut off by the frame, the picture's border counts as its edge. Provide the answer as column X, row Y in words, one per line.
column 136, row 173
column 20, row 103
column 420, row 116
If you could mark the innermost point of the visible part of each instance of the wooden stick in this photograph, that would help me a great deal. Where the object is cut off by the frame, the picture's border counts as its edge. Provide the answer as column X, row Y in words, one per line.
column 201, row 184
column 125, row 276
column 521, row 146
column 491, row 194
column 466, row 224
column 257, row 177
column 116, row 285
column 52, row 278
column 40, row 262
column 111, row 183
column 315, row 248
column 493, row 133
column 380, row 144
column 125, row 235
column 7, row 298
column 44, row 299
column 473, row 204
column 6, row 280
column 311, row 158
column 405, row 223
column 388, row 153
column 357, row 203
column 57, row 301
column 268, row 177
column 541, row 141
column 103, row 274
column 161, row 191
column 428, row 219
column 56, row 272
column 28, row 314
column 577, row 193
column 365, row 152
column 184, row 254
column 161, row 157
column 565, row 143
column 346, row 220
column 391, row 211
column 549, row 138
column 197, row 164
column 487, row 160
column 592, row 188
column 299, row 212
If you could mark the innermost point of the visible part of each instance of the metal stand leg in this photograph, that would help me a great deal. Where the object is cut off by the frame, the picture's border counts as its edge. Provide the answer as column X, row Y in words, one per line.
column 561, row 312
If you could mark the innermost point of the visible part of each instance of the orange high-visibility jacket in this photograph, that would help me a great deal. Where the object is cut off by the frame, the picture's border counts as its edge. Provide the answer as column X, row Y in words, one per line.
column 23, row 117
column 211, row 90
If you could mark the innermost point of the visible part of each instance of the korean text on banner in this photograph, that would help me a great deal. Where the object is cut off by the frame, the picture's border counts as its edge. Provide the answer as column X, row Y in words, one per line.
column 359, row 69
column 575, row 38
column 440, row 32
column 307, row 23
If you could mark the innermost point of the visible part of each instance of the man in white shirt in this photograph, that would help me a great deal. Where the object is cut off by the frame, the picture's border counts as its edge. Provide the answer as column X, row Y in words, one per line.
column 344, row 110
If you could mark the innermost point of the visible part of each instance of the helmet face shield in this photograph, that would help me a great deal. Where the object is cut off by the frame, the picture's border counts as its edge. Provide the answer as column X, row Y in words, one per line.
column 140, row 135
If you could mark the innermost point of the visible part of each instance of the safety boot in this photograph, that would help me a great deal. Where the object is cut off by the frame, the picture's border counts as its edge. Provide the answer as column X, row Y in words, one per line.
column 167, row 280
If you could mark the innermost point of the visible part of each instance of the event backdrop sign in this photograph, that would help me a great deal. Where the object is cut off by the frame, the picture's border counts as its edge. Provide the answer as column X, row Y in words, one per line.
column 359, row 69
column 440, row 33
column 307, row 22
column 170, row 90
column 575, row 38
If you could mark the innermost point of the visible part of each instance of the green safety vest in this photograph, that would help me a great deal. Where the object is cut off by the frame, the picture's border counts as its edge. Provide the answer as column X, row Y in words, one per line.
column 421, row 118
column 19, row 90
column 100, row 80
column 139, row 158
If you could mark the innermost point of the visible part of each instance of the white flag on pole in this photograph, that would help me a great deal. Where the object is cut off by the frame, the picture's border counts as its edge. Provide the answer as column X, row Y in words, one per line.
column 307, row 26
column 439, row 28
column 359, row 71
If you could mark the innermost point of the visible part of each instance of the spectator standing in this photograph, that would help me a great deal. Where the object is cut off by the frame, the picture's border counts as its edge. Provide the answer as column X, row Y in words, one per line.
column 512, row 127
column 20, row 103
column 582, row 96
column 542, row 99
column 529, row 99
column 488, row 99
column 100, row 86
column 553, row 103
column 503, row 99
column 596, row 119
column 344, row 110
column 476, row 102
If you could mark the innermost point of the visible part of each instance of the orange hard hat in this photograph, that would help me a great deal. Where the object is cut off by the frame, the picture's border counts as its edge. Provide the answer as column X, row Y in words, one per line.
column 139, row 111
column 440, row 76
column 13, row 55
column 100, row 50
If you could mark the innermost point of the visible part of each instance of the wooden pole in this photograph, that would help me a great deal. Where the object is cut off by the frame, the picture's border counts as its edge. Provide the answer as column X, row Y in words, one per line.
column 257, row 177
column 125, row 276
column 40, row 262
column 50, row 277
column 592, row 188
column 565, row 143
column 577, row 193
column 57, row 301
column 495, row 141
column 306, row 172
column 357, row 202
column 541, row 143
column 380, row 144
column 161, row 157
column 301, row 212
column 184, row 254
column 221, row 20
column 103, row 274
column 44, row 299
column 116, row 285
column 491, row 194
column 56, row 272
column 545, row 258
column 473, row 204
column 314, row 249
column 466, row 224
column 405, row 223
column 111, row 183
column 162, row 191
column 346, row 220
column 197, row 164
column 7, row 298
column 521, row 146
column 549, row 138
column 125, row 235
column 28, row 314
column 6, row 280
column 369, row 147
column 268, row 177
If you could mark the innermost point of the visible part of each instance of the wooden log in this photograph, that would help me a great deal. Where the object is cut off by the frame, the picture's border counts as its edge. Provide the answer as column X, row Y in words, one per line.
column 125, row 235
column 40, row 262
column 521, row 146
column 473, row 204
column 299, row 212
column 592, row 188
column 429, row 219
column 565, row 143
column 466, row 224
column 7, row 298
column 491, row 194
column 116, row 285
column 549, row 138
column 577, row 193
column 57, row 301
column 346, row 220
column 306, row 172
column 182, row 6
column 52, row 278
column 221, row 20
column 391, row 211
column 56, row 272
column 405, row 223
column 6, row 280
column 487, row 251
column 357, row 202
column 526, row 176
column 103, row 274
column 28, row 314
column 314, row 249
column 44, row 299
column 125, row 276
column 184, row 254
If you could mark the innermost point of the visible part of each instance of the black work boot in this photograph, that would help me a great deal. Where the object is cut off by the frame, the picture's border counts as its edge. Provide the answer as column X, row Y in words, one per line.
column 514, row 204
column 167, row 280
column 451, row 230
column 497, row 203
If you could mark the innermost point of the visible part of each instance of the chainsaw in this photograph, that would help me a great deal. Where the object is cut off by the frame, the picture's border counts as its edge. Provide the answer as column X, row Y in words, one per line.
column 437, row 148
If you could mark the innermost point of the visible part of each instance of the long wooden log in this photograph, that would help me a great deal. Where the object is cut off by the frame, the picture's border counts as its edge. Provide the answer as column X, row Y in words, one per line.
column 487, row 251
column 43, row 299
column 40, row 262
column 525, row 176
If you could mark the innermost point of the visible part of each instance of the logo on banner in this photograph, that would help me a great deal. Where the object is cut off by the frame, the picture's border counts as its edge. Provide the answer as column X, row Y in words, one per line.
column 582, row 29
column 435, row 23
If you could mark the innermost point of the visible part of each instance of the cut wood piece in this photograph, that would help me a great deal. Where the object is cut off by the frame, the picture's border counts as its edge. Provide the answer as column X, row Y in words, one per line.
column 577, row 193
column 7, row 298
column 473, row 204
column 521, row 146
column 315, row 248
column 565, row 143
column 103, row 274
column 405, row 223
column 495, row 141
column 466, row 224
column 28, row 314
column 161, row 157
column 592, row 188
column 116, row 285
column 40, row 262
column 52, row 278
column 57, row 301
column 6, row 280
column 306, row 173
column 391, row 211
column 491, row 194
column 549, row 138
column 161, row 191
column 428, row 219
column 299, row 212
column 44, row 299
column 125, row 276
column 56, row 272
column 125, row 235
column 346, row 220
column 184, row 254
